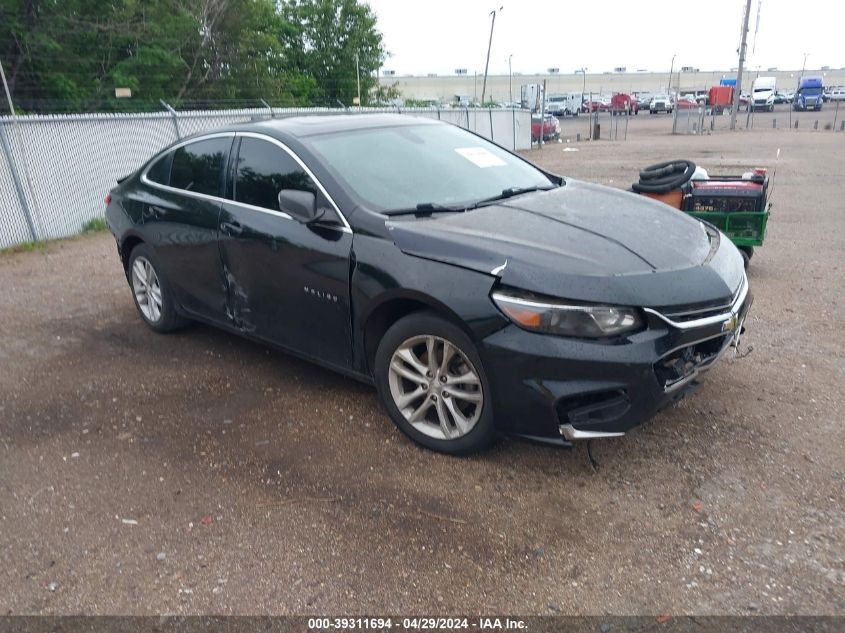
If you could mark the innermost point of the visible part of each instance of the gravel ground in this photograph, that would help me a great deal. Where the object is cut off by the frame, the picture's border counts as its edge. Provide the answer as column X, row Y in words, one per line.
column 202, row 473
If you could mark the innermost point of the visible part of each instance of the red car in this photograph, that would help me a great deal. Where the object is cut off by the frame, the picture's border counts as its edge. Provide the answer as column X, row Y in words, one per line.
column 598, row 103
column 551, row 127
column 685, row 103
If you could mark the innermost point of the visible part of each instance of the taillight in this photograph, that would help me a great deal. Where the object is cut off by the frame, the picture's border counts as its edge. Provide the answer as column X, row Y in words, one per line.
column 108, row 199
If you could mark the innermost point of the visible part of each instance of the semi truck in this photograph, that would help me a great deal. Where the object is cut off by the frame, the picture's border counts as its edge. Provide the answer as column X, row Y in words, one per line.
column 809, row 95
column 531, row 97
column 763, row 93
column 720, row 98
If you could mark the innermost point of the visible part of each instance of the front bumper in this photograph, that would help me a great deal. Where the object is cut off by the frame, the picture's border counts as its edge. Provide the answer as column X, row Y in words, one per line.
column 557, row 390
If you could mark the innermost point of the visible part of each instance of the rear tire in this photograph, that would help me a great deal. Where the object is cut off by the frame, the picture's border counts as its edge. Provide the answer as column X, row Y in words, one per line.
column 747, row 253
column 151, row 291
column 431, row 380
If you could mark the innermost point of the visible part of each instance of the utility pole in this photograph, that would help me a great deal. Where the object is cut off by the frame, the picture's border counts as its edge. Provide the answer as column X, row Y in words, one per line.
column 741, row 67
column 489, row 46
column 510, row 77
column 671, row 70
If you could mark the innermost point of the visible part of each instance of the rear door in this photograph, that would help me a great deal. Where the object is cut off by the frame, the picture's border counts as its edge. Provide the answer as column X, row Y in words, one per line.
column 181, row 220
column 287, row 282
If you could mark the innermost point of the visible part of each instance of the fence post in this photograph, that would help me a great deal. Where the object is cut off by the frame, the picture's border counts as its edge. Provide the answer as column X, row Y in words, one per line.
column 490, row 110
column 513, row 127
column 175, row 118
column 7, row 149
column 269, row 107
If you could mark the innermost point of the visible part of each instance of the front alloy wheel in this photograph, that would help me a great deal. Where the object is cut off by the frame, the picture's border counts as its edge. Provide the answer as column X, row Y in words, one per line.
column 435, row 387
column 431, row 381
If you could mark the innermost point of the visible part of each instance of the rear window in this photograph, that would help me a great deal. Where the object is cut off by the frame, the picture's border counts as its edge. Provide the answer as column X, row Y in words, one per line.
column 198, row 167
column 160, row 170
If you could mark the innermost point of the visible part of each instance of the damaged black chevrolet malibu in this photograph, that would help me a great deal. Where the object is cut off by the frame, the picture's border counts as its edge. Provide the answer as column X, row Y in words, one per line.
column 479, row 293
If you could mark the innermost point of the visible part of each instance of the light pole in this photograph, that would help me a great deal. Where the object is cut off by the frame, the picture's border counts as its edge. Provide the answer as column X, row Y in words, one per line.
column 489, row 46
column 671, row 70
column 510, row 77
column 583, row 71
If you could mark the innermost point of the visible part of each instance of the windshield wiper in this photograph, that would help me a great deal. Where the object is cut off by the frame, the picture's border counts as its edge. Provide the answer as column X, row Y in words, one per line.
column 427, row 208
column 510, row 192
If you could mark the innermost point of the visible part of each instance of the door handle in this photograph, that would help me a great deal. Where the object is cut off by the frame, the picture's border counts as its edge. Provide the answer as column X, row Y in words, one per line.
column 153, row 211
column 232, row 228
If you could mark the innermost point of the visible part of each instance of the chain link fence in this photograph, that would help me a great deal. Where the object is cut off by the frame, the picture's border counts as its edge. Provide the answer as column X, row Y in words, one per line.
column 55, row 170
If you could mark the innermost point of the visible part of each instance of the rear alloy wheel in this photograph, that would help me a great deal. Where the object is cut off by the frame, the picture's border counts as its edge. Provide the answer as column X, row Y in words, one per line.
column 151, row 292
column 430, row 379
column 147, row 289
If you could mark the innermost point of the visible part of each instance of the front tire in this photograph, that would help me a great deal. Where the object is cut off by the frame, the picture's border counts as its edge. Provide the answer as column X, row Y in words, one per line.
column 431, row 380
column 151, row 291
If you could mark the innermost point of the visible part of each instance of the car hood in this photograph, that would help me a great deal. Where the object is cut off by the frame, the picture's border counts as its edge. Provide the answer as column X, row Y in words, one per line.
column 585, row 242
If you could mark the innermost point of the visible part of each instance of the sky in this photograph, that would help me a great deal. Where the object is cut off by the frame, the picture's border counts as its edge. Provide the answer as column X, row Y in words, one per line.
column 438, row 36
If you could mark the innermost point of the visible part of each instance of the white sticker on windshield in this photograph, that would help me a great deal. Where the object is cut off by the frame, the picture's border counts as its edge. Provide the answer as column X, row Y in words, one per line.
column 480, row 156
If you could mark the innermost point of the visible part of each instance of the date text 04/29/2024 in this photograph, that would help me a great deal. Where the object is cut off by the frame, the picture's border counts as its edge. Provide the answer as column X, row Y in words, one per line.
column 415, row 623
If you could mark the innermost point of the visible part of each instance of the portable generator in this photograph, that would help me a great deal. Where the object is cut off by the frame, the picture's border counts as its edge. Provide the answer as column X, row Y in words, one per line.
column 736, row 205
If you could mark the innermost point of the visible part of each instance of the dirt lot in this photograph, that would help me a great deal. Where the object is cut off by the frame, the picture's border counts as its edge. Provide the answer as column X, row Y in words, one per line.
column 201, row 473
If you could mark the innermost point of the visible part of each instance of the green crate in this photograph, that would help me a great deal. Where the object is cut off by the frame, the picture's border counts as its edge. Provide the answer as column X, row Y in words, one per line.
column 744, row 229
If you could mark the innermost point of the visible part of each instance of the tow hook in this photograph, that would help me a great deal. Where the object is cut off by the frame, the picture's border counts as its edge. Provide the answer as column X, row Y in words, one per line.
column 736, row 343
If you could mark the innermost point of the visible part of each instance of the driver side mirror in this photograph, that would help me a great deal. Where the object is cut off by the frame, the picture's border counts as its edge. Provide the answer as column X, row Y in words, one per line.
column 300, row 205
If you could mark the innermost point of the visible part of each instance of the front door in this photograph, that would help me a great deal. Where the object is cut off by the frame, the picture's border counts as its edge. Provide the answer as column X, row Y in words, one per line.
column 288, row 282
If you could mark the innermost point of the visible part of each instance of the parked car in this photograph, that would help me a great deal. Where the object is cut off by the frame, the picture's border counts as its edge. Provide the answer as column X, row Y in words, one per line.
column 478, row 293
column 686, row 103
column 644, row 98
column 598, row 103
column 660, row 103
column 550, row 124
column 781, row 97
column 837, row 94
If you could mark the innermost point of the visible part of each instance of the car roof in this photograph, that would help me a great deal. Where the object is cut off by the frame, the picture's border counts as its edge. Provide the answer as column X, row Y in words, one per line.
column 303, row 126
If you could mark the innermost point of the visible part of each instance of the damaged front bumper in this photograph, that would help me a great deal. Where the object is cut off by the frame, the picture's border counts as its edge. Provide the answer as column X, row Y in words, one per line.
column 558, row 390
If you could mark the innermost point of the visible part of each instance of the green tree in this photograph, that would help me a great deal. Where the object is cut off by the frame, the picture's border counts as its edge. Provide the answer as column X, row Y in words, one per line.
column 325, row 38
column 70, row 55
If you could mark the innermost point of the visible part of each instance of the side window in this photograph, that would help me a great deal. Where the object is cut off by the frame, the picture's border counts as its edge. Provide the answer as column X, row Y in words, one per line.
column 198, row 166
column 265, row 169
column 160, row 170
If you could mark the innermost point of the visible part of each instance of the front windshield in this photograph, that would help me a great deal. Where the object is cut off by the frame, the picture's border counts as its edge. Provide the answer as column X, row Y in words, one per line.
column 404, row 166
column 812, row 92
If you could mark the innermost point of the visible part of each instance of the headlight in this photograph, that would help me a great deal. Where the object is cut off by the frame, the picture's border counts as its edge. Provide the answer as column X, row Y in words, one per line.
column 566, row 318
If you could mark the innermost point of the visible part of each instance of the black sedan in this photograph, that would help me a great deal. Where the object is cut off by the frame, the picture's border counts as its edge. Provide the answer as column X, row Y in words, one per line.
column 479, row 293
